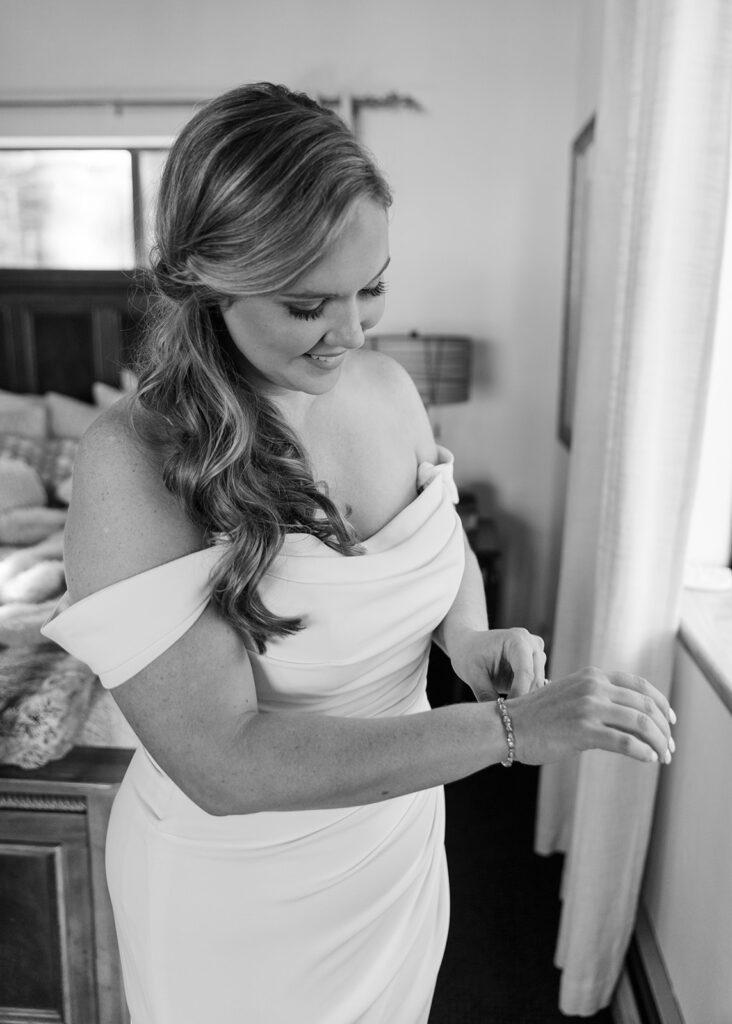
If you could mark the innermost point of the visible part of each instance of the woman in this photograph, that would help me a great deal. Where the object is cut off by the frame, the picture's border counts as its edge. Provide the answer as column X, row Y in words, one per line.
column 261, row 545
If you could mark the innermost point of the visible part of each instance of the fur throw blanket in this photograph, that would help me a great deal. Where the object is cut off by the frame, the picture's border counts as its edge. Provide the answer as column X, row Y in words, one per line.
column 45, row 698
column 49, row 701
column 45, row 694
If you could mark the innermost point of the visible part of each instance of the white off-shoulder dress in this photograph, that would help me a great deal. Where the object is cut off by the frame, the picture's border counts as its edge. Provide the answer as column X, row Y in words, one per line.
column 292, row 917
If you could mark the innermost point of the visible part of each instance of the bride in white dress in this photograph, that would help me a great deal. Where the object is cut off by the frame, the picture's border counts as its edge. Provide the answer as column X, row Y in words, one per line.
column 261, row 547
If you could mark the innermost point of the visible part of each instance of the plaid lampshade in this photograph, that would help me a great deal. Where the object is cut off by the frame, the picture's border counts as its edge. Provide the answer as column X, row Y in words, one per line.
column 439, row 364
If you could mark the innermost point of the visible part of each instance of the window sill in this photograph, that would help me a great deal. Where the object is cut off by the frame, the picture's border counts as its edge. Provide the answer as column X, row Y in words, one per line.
column 706, row 633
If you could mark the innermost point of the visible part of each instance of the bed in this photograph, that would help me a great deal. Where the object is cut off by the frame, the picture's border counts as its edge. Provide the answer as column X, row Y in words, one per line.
column 66, row 338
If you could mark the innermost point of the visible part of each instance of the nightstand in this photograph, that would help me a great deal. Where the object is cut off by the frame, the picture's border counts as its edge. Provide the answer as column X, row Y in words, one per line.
column 443, row 686
column 58, row 954
column 482, row 535
column 484, row 542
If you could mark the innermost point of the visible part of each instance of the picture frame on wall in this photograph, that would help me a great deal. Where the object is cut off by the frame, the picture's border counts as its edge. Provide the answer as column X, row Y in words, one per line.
column 574, row 289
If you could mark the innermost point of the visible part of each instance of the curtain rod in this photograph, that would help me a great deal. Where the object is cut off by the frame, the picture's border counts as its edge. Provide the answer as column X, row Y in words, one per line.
column 116, row 104
column 353, row 104
column 391, row 99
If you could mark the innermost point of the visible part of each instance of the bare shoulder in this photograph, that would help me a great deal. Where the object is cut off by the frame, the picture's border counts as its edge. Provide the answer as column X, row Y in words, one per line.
column 392, row 394
column 369, row 366
column 122, row 519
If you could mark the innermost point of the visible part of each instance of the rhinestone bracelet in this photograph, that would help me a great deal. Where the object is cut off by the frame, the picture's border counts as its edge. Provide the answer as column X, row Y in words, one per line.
column 508, row 726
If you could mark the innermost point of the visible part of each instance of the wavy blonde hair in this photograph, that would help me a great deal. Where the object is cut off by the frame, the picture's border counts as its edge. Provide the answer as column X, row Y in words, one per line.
column 257, row 186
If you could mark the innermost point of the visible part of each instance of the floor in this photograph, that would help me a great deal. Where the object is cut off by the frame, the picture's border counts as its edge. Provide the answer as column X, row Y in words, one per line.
column 498, row 965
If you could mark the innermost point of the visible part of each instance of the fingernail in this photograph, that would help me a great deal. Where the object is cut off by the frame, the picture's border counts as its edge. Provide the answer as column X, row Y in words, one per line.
column 667, row 757
column 671, row 745
column 672, row 716
column 653, row 756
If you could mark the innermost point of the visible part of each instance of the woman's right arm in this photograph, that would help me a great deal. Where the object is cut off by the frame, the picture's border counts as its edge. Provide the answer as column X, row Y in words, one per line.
column 195, row 706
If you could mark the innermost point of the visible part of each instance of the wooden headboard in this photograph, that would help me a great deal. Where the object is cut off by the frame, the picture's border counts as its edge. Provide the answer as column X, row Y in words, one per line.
column 61, row 330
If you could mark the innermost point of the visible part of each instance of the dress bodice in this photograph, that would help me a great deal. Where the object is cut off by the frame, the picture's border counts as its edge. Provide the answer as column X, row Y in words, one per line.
column 368, row 618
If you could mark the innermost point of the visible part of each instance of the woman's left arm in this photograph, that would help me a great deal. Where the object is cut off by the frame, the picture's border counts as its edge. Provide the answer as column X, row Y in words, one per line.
column 490, row 661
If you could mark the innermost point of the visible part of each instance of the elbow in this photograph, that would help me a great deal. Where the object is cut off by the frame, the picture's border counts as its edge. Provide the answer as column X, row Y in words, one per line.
column 222, row 801
column 222, row 778
column 235, row 784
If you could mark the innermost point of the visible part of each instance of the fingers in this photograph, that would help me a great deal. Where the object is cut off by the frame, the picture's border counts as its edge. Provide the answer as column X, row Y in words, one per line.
column 628, row 721
column 631, row 711
column 486, row 691
column 522, row 663
column 640, row 685
column 619, row 742
column 645, row 707
column 502, row 661
column 539, row 661
column 590, row 709
column 525, row 652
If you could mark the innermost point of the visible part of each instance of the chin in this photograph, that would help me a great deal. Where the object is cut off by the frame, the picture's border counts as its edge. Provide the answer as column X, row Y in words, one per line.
column 318, row 387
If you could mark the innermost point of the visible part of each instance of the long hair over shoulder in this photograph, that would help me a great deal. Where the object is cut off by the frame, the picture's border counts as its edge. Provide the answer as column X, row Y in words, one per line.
column 256, row 187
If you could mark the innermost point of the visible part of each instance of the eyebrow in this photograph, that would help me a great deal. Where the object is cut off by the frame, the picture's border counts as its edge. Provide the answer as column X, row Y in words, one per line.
column 325, row 295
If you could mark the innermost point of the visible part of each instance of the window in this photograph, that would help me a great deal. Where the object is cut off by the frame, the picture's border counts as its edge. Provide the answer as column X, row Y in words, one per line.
column 710, row 541
column 80, row 208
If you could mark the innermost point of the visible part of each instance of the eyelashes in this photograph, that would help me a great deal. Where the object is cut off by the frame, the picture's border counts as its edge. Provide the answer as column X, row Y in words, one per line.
column 306, row 314
column 313, row 314
column 377, row 290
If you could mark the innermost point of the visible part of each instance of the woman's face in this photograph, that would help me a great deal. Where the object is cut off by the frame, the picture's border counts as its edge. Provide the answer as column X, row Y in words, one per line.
column 297, row 340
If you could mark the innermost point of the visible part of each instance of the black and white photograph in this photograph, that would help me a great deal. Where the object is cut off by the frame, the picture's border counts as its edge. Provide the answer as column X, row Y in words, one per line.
column 365, row 512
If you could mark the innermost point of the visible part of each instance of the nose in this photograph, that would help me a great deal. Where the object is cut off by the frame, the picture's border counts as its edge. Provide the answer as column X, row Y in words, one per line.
column 347, row 331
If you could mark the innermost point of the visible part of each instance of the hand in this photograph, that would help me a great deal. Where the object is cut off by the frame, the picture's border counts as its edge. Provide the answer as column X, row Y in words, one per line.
column 592, row 709
column 499, row 661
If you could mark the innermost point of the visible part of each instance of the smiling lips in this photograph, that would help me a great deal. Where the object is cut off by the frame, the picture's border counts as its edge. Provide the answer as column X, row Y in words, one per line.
column 325, row 360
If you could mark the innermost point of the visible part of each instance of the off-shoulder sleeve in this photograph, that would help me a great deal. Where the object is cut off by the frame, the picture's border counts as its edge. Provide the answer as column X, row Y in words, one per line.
column 443, row 468
column 119, row 630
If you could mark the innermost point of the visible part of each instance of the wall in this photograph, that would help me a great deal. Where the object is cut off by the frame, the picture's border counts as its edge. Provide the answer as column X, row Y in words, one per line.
column 687, row 890
column 586, row 100
column 481, row 180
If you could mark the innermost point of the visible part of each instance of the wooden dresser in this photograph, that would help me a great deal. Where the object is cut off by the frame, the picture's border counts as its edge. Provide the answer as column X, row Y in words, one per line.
column 58, row 950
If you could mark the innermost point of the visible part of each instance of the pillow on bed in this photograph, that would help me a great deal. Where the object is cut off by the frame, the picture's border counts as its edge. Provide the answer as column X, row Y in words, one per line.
column 105, row 395
column 51, row 457
column 128, row 380
column 68, row 417
column 25, row 415
column 20, row 485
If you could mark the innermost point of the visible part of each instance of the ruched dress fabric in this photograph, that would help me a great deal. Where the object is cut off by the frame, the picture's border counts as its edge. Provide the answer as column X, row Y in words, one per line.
column 333, row 916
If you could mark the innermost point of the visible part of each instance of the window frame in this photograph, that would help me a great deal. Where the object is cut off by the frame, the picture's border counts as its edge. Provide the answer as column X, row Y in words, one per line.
column 134, row 147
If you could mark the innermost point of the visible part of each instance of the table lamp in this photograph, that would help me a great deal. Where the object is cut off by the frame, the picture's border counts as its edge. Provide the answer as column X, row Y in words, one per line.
column 439, row 364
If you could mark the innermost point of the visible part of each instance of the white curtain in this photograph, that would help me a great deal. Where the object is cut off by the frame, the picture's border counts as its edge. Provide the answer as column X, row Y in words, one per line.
column 657, row 215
